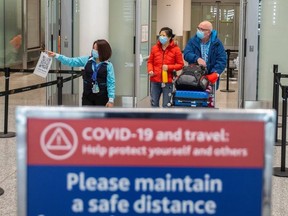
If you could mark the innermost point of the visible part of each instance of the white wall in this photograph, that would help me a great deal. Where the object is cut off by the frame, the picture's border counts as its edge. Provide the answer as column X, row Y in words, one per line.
column 94, row 23
column 170, row 14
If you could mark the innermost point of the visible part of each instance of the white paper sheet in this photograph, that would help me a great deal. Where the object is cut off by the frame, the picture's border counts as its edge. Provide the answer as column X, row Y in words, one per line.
column 43, row 65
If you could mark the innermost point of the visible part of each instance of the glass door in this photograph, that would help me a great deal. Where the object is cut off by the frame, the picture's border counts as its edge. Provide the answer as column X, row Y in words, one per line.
column 11, row 33
column 2, row 34
column 223, row 16
column 145, row 27
column 61, row 14
column 228, row 25
column 52, row 31
column 129, row 29
column 128, row 35
column 122, row 40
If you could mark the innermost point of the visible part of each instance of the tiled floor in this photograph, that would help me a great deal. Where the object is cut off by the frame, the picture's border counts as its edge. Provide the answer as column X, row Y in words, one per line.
column 8, row 168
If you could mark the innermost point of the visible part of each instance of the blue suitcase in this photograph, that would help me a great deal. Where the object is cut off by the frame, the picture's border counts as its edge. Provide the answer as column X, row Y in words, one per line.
column 190, row 98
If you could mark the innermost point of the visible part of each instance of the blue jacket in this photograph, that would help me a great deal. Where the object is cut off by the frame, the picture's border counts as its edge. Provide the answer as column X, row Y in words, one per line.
column 217, row 57
column 82, row 61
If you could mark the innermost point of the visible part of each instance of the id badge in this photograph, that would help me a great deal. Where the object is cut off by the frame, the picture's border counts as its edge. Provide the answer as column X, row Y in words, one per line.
column 163, row 85
column 95, row 88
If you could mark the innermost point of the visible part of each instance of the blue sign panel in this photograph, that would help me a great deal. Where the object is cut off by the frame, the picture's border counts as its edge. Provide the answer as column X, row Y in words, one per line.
column 145, row 191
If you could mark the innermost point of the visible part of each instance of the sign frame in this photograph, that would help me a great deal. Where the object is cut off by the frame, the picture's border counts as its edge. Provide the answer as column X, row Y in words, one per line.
column 24, row 113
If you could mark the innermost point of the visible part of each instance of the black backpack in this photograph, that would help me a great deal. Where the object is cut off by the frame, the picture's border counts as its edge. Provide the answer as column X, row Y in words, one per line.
column 192, row 78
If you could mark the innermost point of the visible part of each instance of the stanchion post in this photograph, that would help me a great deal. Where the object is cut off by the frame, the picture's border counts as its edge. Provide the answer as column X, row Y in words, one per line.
column 282, row 171
column 6, row 134
column 1, row 191
column 284, row 126
column 275, row 70
column 59, row 89
column 228, row 71
column 7, row 77
column 275, row 99
column 276, row 107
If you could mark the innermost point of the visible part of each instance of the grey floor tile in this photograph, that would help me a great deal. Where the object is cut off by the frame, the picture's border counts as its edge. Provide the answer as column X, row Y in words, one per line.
column 8, row 200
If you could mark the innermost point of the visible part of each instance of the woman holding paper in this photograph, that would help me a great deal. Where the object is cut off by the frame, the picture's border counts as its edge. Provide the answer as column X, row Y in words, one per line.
column 98, row 76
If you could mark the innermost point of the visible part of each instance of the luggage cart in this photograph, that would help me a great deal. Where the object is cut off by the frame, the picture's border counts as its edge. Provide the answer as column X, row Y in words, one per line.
column 192, row 98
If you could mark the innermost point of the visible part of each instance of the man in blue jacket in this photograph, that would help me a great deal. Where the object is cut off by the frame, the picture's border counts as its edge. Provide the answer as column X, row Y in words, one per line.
column 207, row 50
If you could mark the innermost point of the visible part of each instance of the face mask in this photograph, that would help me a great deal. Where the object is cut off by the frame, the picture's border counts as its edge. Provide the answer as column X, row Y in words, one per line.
column 95, row 54
column 200, row 34
column 163, row 39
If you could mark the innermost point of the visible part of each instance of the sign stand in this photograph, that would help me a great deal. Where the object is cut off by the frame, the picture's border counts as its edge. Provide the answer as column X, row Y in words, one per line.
column 6, row 134
column 144, row 161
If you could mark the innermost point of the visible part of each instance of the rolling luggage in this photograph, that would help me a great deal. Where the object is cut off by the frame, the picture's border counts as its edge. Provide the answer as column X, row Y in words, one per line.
column 192, row 88
column 190, row 98
column 192, row 78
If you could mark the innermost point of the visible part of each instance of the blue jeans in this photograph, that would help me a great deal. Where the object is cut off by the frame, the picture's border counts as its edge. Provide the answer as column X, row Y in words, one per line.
column 156, row 90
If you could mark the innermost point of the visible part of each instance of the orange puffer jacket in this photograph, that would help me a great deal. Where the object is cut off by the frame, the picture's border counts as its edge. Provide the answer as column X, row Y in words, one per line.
column 171, row 56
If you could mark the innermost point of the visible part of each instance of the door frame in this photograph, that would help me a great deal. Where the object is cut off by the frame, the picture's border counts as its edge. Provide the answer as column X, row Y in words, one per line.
column 138, row 57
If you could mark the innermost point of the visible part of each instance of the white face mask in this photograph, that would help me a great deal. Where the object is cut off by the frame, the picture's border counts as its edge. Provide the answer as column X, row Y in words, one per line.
column 163, row 39
column 200, row 34
column 95, row 53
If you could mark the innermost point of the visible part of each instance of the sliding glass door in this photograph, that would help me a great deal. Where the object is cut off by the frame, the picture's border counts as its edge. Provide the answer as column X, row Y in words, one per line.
column 129, row 35
column 223, row 16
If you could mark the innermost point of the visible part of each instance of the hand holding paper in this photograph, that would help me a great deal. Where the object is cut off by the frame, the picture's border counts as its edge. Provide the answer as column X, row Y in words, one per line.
column 43, row 65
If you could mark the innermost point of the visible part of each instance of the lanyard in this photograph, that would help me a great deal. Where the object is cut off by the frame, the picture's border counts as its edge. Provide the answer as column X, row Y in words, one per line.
column 95, row 68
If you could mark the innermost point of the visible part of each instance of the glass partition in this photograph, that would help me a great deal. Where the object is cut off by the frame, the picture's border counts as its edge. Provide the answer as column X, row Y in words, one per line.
column 154, row 32
column 144, row 50
column 11, row 33
column 52, row 32
column 226, row 25
column 130, row 40
column 122, row 39
column 224, row 18
column 20, row 32
column 196, row 17
column 130, row 50
column 273, row 44
column 61, row 33
column 2, row 34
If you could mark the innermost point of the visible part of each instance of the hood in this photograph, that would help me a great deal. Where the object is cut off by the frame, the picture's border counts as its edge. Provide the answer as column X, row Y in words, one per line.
column 213, row 35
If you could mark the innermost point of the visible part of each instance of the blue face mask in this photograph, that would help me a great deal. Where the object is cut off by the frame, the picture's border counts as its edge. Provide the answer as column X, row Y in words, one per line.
column 200, row 34
column 95, row 54
column 163, row 39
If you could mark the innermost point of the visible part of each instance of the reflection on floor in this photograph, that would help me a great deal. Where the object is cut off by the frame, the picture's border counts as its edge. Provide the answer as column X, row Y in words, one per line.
column 8, row 178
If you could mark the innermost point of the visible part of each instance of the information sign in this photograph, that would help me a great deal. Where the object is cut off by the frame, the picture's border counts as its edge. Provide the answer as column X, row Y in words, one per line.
column 76, row 161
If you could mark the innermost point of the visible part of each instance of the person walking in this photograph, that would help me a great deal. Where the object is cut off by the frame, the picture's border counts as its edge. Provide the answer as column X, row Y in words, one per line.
column 98, row 74
column 165, row 57
column 206, row 49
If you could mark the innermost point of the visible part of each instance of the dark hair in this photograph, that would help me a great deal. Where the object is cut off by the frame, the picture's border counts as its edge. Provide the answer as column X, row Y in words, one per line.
column 168, row 32
column 104, row 49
